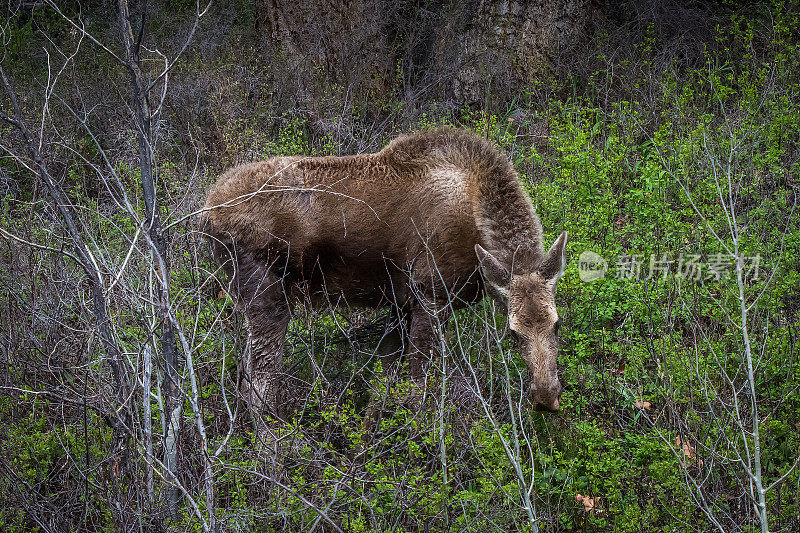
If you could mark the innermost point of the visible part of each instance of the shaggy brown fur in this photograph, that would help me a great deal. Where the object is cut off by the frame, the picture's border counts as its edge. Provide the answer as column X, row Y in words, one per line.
column 407, row 226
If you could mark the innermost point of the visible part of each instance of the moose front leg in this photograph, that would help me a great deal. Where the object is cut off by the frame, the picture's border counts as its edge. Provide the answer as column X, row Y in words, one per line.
column 425, row 331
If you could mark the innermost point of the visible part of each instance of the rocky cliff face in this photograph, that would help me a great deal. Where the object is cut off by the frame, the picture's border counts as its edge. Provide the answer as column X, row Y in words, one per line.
column 458, row 51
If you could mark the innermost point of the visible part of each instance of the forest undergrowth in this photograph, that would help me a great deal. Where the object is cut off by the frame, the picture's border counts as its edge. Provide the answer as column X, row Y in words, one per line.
column 675, row 174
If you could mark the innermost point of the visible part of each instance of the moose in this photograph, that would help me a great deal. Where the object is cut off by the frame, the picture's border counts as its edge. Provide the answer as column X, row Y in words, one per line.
column 430, row 223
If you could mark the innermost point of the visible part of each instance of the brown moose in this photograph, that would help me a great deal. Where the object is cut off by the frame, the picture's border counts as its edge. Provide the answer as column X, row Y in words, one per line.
column 409, row 226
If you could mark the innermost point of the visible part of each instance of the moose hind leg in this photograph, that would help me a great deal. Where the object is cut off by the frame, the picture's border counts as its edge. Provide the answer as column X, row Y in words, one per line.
column 261, row 295
column 264, row 361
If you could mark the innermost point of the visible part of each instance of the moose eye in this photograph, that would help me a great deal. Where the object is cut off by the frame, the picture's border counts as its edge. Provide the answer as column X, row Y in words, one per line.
column 557, row 326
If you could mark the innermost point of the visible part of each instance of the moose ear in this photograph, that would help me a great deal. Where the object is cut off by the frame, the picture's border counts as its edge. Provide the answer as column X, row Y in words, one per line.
column 494, row 273
column 555, row 261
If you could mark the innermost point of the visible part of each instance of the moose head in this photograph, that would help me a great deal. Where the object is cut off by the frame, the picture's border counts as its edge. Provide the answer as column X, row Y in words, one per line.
column 529, row 296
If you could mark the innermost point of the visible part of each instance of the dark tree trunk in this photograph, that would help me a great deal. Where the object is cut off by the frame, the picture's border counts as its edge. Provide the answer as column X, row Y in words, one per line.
column 458, row 51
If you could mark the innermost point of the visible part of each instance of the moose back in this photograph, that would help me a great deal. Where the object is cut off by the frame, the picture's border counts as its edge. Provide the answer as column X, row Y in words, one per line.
column 430, row 223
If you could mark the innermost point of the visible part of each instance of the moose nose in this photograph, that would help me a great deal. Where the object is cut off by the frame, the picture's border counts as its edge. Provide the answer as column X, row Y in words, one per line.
column 546, row 398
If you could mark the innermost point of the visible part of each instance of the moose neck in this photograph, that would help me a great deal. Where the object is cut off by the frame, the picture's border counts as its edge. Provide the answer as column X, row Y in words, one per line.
column 507, row 222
